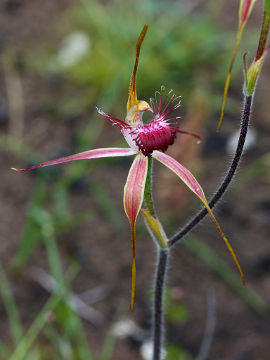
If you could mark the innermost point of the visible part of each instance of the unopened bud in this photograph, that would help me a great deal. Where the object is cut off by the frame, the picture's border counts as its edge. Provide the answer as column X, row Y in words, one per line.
column 245, row 9
column 252, row 75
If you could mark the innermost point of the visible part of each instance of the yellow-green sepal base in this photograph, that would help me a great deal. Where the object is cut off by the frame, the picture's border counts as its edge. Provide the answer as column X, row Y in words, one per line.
column 252, row 76
column 156, row 229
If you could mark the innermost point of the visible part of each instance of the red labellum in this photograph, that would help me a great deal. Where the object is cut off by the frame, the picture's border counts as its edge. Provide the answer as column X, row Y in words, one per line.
column 153, row 136
column 161, row 132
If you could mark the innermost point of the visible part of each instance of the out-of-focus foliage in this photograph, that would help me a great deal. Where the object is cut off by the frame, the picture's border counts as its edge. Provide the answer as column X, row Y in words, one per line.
column 105, row 36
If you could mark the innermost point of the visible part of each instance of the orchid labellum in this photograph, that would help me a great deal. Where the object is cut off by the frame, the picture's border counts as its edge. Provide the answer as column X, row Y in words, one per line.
column 145, row 141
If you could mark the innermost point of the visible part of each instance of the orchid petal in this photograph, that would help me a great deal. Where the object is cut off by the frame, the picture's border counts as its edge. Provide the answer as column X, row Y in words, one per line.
column 90, row 154
column 132, row 99
column 186, row 176
column 121, row 124
column 133, row 198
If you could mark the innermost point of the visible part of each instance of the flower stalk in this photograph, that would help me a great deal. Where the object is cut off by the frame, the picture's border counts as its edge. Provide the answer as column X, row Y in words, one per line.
column 152, row 222
column 164, row 253
column 148, row 199
column 158, row 234
column 161, row 271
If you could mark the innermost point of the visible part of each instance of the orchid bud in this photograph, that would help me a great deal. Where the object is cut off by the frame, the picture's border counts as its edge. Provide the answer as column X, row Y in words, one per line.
column 251, row 75
column 245, row 9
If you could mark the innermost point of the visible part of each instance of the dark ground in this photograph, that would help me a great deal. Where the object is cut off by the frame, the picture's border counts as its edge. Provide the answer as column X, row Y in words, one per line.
column 241, row 333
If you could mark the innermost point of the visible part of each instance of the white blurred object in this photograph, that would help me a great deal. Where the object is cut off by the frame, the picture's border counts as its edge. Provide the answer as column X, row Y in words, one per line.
column 249, row 144
column 127, row 327
column 124, row 328
column 73, row 48
column 147, row 351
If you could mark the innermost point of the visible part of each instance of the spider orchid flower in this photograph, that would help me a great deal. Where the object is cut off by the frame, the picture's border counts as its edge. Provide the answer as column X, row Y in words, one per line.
column 145, row 140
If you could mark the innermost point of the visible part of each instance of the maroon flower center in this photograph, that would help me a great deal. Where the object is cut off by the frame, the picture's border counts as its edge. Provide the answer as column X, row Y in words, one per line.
column 162, row 129
column 153, row 136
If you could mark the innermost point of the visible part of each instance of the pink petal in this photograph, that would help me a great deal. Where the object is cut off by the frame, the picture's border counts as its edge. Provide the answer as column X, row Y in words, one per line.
column 121, row 124
column 133, row 198
column 90, row 154
column 186, row 176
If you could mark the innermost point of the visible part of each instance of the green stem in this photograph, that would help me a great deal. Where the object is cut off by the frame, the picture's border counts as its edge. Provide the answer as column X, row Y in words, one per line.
column 148, row 189
column 264, row 30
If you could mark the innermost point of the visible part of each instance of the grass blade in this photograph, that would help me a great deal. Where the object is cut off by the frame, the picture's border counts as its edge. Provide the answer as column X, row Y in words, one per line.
column 225, row 272
column 11, row 308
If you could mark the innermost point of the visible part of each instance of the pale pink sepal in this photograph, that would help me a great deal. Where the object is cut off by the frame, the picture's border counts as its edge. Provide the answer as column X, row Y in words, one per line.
column 186, row 176
column 90, row 154
column 133, row 198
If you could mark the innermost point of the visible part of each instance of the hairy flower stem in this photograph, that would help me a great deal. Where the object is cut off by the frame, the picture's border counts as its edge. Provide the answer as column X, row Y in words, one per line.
column 228, row 178
column 163, row 253
column 161, row 269
column 158, row 302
